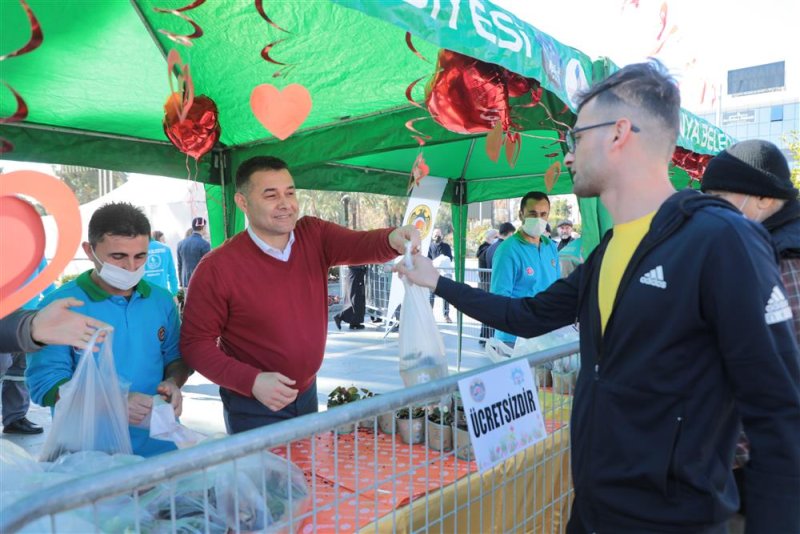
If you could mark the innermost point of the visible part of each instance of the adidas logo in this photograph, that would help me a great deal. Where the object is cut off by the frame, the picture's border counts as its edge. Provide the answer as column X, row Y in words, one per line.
column 654, row 278
column 777, row 309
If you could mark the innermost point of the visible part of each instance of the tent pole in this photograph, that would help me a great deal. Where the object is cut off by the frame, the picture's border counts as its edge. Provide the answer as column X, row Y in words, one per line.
column 87, row 133
column 460, row 212
column 220, row 159
column 228, row 190
column 149, row 29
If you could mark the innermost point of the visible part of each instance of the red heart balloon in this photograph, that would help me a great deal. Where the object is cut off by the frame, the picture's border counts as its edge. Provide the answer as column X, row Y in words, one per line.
column 517, row 85
column 198, row 132
column 467, row 95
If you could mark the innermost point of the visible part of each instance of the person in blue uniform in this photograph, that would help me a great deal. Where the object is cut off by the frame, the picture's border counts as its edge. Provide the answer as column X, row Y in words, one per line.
column 160, row 267
column 527, row 262
column 143, row 316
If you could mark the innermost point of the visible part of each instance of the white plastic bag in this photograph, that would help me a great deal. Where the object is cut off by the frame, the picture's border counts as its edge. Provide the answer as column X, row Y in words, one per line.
column 422, row 356
column 256, row 490
column 498, row 351
column 92, row 412
column 163, row 425
column 556, row 338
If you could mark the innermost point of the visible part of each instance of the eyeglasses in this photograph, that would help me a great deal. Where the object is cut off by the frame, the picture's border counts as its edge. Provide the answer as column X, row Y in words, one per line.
column 571, row 142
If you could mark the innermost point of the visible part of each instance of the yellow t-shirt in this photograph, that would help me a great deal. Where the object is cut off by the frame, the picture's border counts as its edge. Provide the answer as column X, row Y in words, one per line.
column 618, row 254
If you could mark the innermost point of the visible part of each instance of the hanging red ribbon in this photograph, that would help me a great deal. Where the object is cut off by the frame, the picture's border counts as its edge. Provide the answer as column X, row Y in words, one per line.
column 265, row 52
column 418, row 136
column 36, row 34
column 21, row 113
column 411, row 47
column 185, row 89
column 187, row 39
column 22, row 109
column 260, row 9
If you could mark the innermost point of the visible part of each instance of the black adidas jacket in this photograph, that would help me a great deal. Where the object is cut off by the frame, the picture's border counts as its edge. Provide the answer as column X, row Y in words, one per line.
column 698, row 340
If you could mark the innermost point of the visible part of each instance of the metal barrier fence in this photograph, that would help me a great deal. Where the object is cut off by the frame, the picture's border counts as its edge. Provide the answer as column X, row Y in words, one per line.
column 365, row 480
column 379, row 283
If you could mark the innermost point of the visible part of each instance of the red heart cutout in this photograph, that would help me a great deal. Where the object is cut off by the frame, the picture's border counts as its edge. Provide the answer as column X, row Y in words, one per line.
column 15, row 257
column 280, row 112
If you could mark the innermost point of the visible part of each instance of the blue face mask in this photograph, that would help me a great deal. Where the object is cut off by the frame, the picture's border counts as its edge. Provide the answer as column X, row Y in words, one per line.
column 118, row 277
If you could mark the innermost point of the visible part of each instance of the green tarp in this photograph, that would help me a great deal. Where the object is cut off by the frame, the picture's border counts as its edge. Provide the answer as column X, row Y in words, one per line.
column 96, row 87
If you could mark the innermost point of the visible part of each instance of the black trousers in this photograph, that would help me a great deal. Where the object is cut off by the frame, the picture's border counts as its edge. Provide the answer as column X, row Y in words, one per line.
column 355, row 300
column 246, row 413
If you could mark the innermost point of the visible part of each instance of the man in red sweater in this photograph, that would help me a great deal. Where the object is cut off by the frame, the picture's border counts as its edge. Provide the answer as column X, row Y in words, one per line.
column 256, row 319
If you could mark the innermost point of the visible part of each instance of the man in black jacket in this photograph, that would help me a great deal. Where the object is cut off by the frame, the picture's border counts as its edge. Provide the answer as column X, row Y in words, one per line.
column 485, row 275
column 505, row 231
column 693, row 334
column 754, row 176
column 439, row 247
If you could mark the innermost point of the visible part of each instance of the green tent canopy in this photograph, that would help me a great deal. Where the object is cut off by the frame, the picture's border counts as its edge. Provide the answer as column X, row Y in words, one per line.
column 97, row 85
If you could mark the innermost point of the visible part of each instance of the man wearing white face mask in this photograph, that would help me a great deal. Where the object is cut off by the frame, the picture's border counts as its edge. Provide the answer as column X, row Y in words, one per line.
column 527, row 262
column 144, row 318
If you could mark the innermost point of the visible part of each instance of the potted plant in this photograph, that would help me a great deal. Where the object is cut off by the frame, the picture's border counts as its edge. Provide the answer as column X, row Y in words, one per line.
column 386, row 423
column 368, row 424
column 462, row 443
column 411, row 424
column 344, row 395
column 461, row 440
column 460, row 415
column 440, row 429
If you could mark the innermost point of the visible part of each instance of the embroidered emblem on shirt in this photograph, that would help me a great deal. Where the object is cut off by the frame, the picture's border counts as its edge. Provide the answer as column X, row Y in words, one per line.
column 529, row 270
column 654, row 278
column 153, row 262
column 162, row 334
column 777, row 309
column 553, row 263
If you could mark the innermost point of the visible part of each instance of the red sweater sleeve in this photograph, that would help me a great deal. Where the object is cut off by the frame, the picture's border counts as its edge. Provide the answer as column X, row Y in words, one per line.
column 204, row 318
column 343, row 246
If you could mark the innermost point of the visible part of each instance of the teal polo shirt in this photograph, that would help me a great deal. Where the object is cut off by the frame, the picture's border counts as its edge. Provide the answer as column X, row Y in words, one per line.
column 521, row 269
column 146, row 330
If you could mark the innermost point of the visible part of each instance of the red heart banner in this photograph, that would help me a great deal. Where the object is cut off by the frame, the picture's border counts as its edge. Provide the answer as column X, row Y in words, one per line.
column 280, row 112
column 22, row 234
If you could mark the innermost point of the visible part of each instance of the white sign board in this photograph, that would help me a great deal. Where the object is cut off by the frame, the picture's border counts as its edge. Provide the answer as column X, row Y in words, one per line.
column 423, row 206
column 503, row 412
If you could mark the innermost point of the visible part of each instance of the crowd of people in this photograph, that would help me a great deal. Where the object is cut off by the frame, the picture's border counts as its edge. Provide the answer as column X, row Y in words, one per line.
column 689, row 313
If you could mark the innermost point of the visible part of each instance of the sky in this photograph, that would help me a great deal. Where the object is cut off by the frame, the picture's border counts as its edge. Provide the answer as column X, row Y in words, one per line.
column 710, row 36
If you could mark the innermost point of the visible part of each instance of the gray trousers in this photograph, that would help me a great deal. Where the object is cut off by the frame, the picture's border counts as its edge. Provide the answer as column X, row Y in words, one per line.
column 15, row 396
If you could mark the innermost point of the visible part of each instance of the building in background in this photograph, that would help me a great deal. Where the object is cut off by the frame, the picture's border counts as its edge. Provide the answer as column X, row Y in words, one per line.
column 758, row 102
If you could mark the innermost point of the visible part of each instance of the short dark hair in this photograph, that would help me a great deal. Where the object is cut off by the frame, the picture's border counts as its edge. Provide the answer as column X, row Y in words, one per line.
column 117, row 218
column 533, row 195
column 506, row 228
column 157, row 234
column 255, row 164
column 644, row 86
